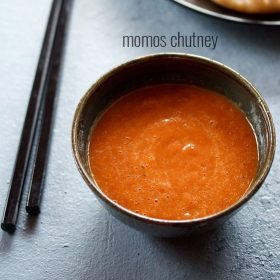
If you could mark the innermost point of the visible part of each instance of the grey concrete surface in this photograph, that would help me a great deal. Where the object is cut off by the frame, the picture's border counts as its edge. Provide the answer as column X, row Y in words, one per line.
column 74, row 238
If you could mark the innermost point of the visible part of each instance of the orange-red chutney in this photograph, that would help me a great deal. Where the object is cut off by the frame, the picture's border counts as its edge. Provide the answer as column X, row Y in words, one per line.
column 173, row 152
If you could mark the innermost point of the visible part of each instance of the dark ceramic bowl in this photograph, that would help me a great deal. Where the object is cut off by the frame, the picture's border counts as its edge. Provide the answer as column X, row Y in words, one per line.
column 172, row 68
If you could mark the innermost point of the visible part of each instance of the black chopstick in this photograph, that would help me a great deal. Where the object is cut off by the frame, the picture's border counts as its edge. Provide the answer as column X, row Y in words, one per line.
column 24, row 150
column 37, row 182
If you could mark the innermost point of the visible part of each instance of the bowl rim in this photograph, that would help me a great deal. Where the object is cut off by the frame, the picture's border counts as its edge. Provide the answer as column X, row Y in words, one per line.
column 255, row 184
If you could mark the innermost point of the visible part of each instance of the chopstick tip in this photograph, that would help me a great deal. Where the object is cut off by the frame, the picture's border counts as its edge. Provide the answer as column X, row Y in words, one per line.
column 33, row 210
column 9, row 227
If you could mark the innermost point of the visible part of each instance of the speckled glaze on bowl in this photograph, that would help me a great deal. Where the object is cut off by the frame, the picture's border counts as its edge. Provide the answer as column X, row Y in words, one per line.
column 172, row 68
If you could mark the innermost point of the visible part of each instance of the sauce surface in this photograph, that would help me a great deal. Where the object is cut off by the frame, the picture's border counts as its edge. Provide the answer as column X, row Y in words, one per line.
column 173, row 152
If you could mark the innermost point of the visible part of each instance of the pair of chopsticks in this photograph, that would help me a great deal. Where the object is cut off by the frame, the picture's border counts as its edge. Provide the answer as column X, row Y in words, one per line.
column 41, row 106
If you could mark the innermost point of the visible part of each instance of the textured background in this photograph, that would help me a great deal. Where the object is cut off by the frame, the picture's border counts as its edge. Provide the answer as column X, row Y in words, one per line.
column 74, row 238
